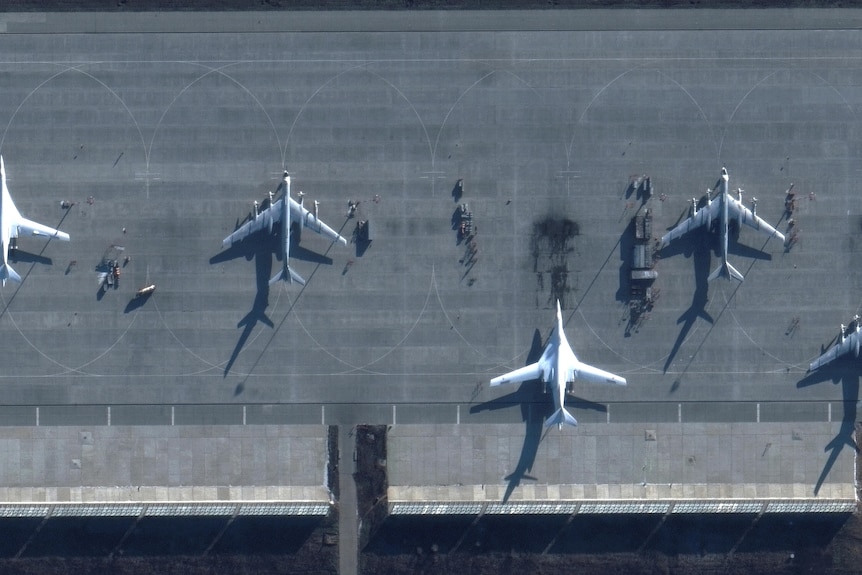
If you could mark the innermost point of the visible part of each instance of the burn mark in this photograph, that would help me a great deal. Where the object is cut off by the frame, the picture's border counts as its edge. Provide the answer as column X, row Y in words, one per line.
column 551, row 246
column 552, row 235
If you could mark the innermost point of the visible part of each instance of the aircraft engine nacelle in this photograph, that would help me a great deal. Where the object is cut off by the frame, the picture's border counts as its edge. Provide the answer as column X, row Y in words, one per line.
column 547, row 378
column 269, row 222
column 571, row 376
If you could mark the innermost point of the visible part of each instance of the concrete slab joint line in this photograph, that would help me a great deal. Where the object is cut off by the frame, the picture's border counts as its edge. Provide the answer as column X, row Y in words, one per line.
column 429, row 21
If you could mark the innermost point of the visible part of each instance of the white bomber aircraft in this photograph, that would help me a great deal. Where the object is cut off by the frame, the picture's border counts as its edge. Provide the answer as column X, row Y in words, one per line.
column 557, row 368
column 723, row 209
column 285, row 211
column 848, row 340
column 13, row 224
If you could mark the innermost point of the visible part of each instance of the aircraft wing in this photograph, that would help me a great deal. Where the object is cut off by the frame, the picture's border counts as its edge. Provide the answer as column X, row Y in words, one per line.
column 596, row 375
column 850, row 343
column 313, row 223
column 264, row 220
column 31, row 228
column 747, row 217
column 700, row 218
column 526, row 373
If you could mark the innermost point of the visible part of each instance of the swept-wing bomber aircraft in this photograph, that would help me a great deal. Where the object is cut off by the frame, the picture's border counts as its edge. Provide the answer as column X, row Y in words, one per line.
column 13, row 225
column 286, row 211
column 723, row 207
column 558, row 368
column 848, row 340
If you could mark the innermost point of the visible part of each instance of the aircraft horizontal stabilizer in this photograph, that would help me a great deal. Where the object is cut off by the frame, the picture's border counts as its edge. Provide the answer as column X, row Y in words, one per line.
column 7, row 273
column 726, row 270
column 288, row 275
column 560, row 417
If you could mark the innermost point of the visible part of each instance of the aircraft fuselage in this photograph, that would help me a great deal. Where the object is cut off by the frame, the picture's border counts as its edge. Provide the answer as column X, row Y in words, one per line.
column 558, row 379
column 725, row 223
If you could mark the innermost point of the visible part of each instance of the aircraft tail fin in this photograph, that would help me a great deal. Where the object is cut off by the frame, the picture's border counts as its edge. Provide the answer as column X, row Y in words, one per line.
column 726, row 270
column 288, row 275
column 560, row 417
column 7, row 273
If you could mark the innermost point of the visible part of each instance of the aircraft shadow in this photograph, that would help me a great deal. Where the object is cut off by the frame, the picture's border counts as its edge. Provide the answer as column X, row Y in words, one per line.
column 689, row 243
column 298, row 252
column 20, row 256
column 257, row 314
column 737, row 249
column 734, row 248
column 260, row 247
column 701, row 261
column 247, row 249
column 842, row 369
column 535, row 407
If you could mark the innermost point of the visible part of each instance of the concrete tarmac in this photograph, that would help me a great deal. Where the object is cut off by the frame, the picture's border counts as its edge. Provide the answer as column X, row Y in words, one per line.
column 163, row 139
